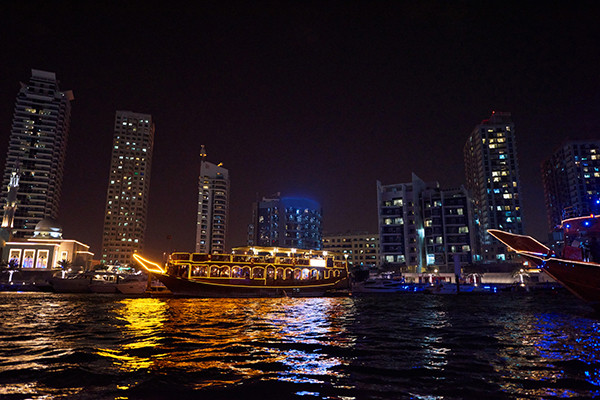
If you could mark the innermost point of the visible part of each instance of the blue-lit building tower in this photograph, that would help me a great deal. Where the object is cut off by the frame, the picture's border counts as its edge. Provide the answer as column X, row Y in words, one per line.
column 286, row 222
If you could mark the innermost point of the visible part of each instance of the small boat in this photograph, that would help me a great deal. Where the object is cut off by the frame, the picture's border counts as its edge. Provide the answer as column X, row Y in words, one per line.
column 102, row 281
column 576, row 266
column 71, row 283
column 385, row 285
column 252, row 272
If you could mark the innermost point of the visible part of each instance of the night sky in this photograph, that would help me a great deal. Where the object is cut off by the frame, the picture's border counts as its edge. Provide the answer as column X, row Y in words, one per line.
column 307, row 99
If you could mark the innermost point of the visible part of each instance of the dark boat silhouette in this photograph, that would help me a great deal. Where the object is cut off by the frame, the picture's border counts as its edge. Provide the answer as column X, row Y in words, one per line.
column 576, row 266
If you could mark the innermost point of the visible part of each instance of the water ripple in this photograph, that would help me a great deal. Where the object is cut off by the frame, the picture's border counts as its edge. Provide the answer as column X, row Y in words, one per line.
column 402, row 347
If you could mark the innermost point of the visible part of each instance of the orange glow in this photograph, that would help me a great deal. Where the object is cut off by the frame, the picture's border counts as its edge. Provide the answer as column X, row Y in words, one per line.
column 148, row 265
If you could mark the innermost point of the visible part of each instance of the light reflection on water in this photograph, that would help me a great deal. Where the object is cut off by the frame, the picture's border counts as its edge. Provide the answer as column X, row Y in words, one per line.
column 409, row 346
column 239, row 336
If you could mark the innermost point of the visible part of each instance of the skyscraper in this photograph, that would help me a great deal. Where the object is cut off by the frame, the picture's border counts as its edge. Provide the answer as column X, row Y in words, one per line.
column 37, row 148
column 286, row 222
column 571, row 179
column 492, row 173
column 128, row 187
column 213, row 204
column 422, row 225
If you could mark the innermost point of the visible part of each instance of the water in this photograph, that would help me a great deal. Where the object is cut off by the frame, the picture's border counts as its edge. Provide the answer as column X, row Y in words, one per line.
column 505, row 346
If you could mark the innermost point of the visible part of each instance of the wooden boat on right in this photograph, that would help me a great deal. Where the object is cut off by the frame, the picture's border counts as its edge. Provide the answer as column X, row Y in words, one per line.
column 576, row 266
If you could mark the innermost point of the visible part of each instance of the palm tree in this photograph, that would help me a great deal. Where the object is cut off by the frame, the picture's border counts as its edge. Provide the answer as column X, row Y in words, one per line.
column 65, row 265
column 13, row 266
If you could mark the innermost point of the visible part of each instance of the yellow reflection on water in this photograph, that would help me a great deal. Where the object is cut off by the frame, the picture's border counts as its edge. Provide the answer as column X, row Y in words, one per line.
column 233, row 339
column 144, row 319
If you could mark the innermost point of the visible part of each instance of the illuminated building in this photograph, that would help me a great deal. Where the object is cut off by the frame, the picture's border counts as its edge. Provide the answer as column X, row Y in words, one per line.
column 46, row 249
column 213, row 204
column 128, row 187
column 492, row 173
column 422, row 225
column 287, row 222
column 361, row 248
column 571, row 179
column 38, row 144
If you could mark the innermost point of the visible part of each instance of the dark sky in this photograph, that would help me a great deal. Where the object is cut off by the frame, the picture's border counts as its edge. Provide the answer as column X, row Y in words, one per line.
column 312, row 99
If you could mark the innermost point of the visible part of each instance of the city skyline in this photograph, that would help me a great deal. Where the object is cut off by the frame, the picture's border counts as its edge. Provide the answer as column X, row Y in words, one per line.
column 312, row 102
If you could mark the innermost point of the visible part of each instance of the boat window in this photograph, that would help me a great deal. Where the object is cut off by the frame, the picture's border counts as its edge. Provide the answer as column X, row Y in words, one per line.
column 203, row 271
column 270, row 272
column 236, row 272
column 314, row 274
column 214, row 271
column 184, row 270
column 198, row 270
column 258, row 272
column 289, row 273
column 180, row 256
column 330, row 262
column 326, row 274
column 224, row 272
column 279, row 274
column 199, row 257
column 297, row 274
column 305, row 273
column 246, row 272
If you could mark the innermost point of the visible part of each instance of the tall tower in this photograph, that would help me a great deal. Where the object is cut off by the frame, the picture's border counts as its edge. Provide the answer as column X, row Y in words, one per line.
column 571, row 179
column 128, row 187
column 213, row 204
column 492, row 173
column 38, row 142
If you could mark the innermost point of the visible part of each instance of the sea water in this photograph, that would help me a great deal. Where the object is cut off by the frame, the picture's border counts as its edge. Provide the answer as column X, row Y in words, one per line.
column 540, row 345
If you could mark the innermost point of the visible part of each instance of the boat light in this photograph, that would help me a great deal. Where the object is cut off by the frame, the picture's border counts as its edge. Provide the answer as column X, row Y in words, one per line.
column 147, row 264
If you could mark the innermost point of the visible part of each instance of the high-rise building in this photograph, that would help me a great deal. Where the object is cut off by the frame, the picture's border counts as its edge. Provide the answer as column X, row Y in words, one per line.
column 492, row 173
column 213, row 205
column 128, row 187
column 571, row 179
column 286, row 222
column 37, row 149
column 361, row 249
column 422, row 225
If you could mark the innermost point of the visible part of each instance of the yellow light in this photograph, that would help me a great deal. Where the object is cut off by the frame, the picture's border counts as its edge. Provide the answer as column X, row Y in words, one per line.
column 147, row 264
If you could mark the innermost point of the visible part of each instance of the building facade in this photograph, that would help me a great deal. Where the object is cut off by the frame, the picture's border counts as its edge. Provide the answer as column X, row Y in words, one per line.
column 128, row 187
column 421, row 225
column 492, row 174
column 37, row 150
column 361, row 249
column 287, row 222
column 213, row 206
column 46, row 249
column 571, row 177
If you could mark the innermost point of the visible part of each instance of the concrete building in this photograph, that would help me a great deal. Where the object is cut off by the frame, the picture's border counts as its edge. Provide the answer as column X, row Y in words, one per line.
column 287, row 222
column 492, row 173
column 571, row 177
column 421, row 225
column 37, row 150
column 46, row 249
column 361, row 248
column 128, row 187
column 213, row 206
